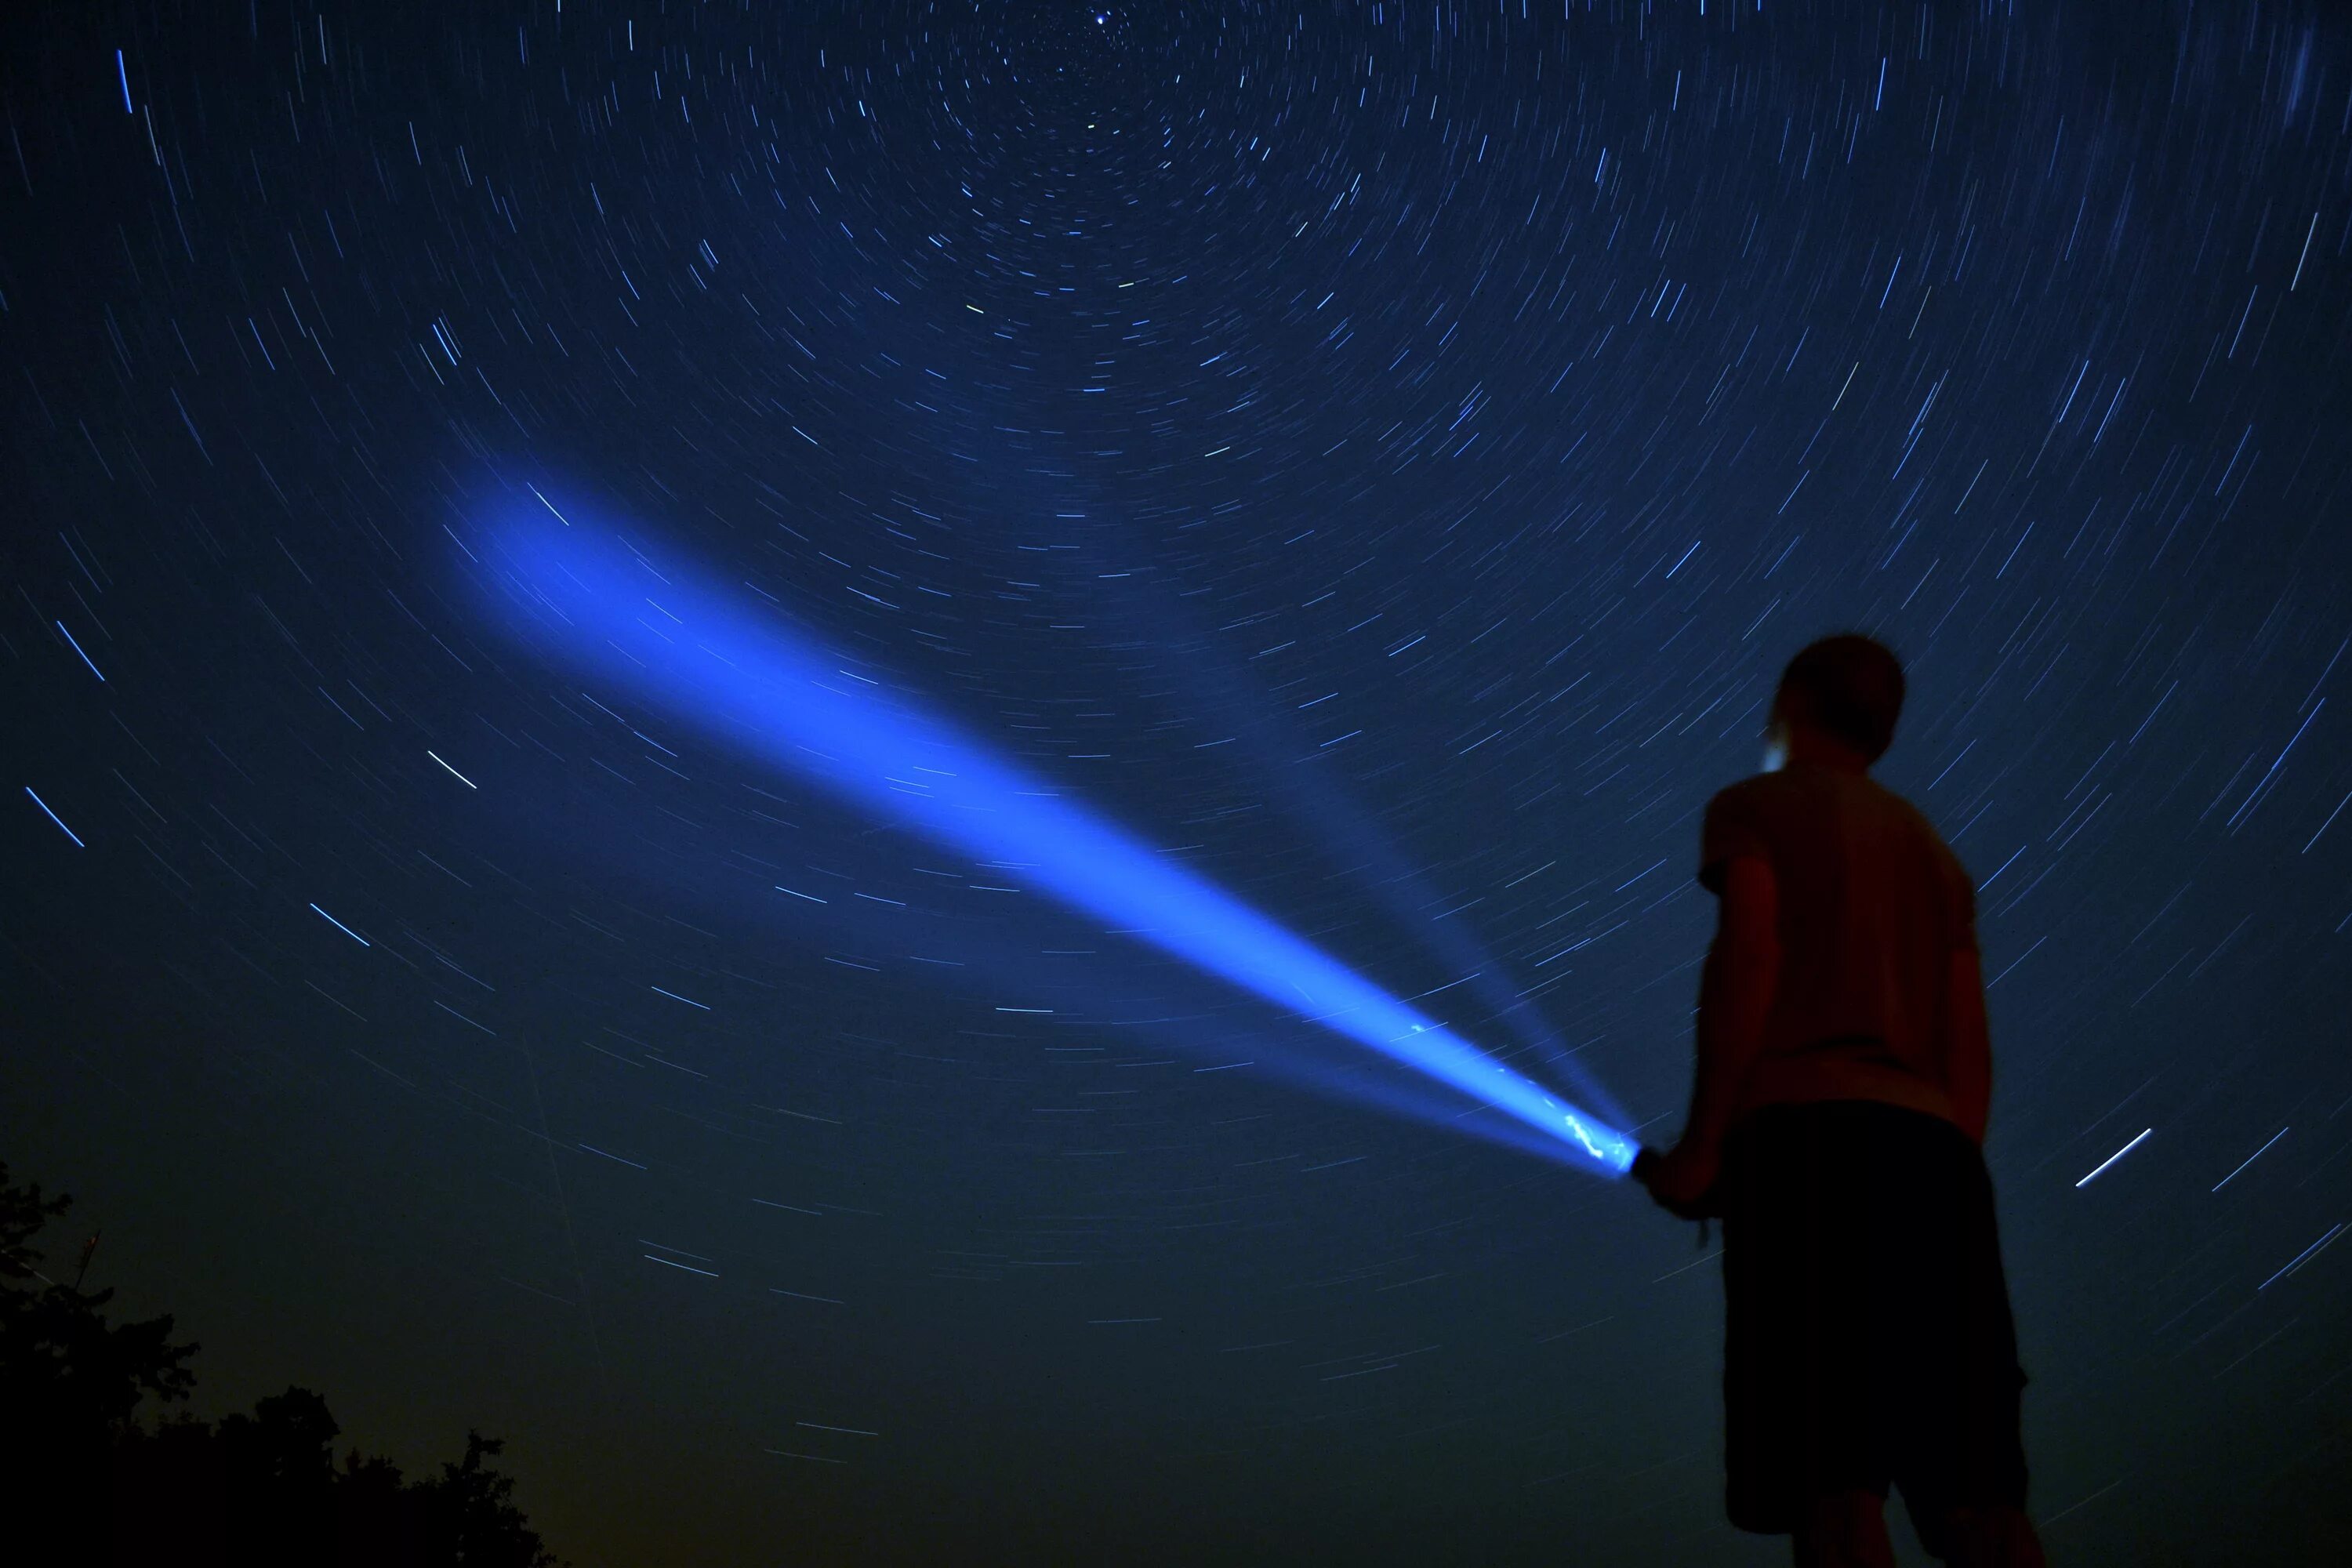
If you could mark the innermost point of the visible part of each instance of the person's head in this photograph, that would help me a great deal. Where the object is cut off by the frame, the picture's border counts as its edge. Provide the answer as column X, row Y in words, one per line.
column 1837, row 704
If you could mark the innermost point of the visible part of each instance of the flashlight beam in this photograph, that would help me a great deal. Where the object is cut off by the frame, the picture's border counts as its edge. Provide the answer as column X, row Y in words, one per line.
column 709, row 656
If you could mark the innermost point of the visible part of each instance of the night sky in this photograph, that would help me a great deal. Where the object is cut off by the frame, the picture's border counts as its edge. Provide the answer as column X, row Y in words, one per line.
column 1382, row 456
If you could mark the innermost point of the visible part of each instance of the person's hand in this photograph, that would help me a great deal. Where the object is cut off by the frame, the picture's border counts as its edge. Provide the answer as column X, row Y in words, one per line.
column 1681, row 1181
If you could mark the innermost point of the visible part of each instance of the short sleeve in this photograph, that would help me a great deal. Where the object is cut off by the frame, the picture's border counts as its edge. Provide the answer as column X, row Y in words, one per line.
column 1963, row 905
column 1729, row 831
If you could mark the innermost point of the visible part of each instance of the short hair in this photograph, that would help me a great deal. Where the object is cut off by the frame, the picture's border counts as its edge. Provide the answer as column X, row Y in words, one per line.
column 1851, row 685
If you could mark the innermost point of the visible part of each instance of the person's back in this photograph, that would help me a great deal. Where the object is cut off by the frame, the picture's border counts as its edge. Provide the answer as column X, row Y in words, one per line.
column 1843, row 1076
column 1872, row 907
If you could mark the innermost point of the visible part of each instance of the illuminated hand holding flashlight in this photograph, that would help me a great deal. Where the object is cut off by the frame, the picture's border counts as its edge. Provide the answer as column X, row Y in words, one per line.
column 1681, row 1181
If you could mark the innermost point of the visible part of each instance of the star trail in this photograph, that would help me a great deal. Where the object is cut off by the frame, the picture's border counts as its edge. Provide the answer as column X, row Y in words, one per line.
column 1379, row 457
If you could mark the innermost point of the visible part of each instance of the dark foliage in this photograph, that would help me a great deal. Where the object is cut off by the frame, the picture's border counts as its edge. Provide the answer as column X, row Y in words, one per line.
column 260, row 1490
column 68, row 1379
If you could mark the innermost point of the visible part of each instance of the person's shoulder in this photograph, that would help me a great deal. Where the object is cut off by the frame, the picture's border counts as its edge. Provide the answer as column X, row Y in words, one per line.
column 1903, row 808
column 1754, row 789
column 1786, row 792
column 1741, row 820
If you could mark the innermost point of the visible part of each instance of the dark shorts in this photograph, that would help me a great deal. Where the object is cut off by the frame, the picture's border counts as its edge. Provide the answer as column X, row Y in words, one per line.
column 1868, row 1340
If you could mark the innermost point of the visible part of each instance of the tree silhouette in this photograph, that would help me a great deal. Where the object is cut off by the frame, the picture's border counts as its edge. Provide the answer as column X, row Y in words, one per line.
column 259, row 1490
column 68, row 1379
column 470, row 1517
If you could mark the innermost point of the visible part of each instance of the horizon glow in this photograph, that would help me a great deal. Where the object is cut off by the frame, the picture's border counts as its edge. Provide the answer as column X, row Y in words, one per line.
column 731, row 666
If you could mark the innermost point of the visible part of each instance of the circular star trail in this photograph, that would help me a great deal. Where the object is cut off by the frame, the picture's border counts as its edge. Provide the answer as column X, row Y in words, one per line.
column 1378, row 455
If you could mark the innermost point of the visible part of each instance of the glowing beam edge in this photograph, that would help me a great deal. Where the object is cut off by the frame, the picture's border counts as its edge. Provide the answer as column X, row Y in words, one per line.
column 775, row 698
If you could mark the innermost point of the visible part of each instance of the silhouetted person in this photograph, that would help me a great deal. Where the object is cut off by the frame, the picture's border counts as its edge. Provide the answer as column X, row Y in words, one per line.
column 1836, row 1128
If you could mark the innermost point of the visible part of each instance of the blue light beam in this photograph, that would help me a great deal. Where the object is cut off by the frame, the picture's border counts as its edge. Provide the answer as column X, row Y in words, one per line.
column 715, row 658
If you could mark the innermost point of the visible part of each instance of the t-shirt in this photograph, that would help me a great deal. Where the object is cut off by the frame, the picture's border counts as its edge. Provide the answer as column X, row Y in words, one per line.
column 1872, row 904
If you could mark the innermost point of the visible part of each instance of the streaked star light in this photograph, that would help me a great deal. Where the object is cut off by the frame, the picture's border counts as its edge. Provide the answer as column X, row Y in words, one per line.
column 1378, row 457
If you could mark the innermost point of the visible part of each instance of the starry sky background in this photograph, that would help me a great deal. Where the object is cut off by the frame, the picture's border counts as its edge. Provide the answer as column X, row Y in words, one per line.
column 1382, row 455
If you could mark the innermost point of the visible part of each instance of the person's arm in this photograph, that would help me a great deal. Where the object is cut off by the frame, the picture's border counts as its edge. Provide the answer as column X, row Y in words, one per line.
column 1743, row 968
column 1967, row 1044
